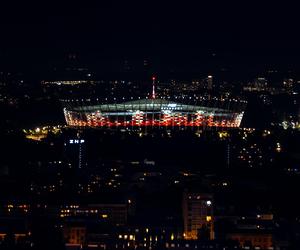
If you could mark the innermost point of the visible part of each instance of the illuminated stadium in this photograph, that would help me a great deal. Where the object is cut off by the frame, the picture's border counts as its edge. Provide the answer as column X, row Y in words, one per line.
column 155, row 111
column 176, row 111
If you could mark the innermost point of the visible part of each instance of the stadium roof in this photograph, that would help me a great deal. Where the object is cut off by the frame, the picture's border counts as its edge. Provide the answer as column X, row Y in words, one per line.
column 147, row 104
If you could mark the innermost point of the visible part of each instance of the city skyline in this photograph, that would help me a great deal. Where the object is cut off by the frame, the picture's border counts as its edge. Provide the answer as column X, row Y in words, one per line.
column 149, row 126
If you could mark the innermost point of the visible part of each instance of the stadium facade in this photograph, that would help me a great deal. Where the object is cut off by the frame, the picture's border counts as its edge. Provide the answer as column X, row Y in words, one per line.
column 175, row 111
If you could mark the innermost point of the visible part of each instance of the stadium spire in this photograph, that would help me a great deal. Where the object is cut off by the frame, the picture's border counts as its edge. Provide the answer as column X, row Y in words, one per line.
column 153, row 87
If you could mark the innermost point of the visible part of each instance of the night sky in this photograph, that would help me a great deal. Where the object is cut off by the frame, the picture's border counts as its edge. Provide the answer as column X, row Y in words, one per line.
column 173, row 35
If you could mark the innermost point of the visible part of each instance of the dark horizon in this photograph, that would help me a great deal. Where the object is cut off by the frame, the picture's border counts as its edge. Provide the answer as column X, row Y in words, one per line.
column 172, row 36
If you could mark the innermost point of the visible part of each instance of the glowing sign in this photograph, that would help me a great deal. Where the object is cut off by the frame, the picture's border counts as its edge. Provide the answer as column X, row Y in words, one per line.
column 76, row 141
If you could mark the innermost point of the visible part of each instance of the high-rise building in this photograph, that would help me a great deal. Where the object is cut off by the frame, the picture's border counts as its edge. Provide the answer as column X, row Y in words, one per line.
column 198, row 216
column 75, row 151
column 210, row 82
column 288, row 84
column 127, row 67
column 112, row 214
column 74, row 235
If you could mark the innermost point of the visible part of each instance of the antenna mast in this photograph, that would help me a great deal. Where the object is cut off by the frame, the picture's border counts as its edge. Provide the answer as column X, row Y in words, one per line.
column 153, row 87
